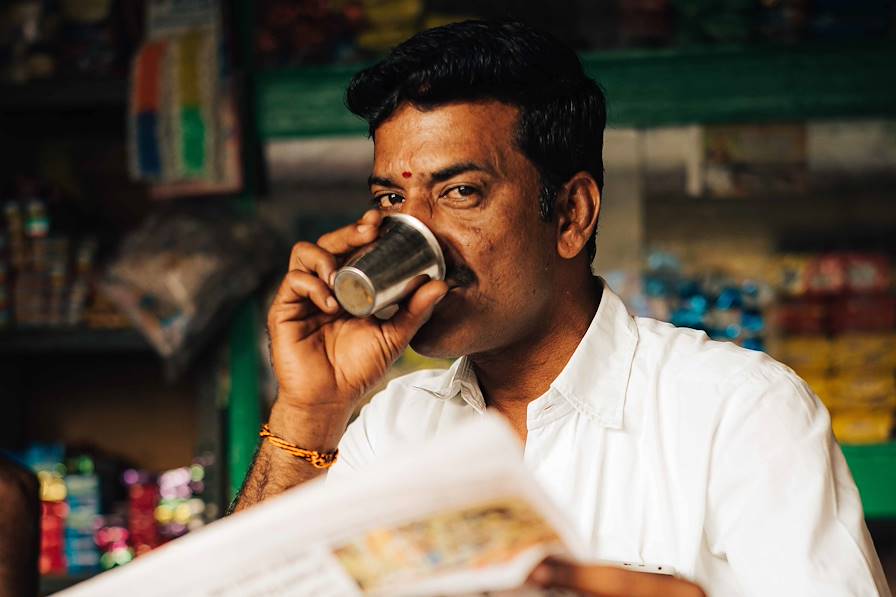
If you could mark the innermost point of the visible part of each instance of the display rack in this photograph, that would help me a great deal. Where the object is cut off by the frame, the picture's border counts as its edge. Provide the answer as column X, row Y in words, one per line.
column 230, row 430
column 645, row 88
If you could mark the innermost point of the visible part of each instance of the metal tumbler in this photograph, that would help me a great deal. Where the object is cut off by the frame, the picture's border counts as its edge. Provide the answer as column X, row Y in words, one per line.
column 383, row 273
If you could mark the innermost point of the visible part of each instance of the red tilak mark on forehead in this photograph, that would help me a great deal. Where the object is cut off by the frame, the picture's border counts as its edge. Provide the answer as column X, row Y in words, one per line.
column 406, row 174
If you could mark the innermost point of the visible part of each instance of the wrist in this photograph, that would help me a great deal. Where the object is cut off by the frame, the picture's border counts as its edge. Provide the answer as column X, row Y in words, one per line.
column 311, row 428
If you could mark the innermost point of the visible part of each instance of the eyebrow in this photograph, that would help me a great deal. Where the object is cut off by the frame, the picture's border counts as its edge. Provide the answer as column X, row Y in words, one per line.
column 379, row 180
column 437, row 176
column 452, row 171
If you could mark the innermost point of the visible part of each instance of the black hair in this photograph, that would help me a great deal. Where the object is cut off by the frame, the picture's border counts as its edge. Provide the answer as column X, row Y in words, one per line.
column 562, row 111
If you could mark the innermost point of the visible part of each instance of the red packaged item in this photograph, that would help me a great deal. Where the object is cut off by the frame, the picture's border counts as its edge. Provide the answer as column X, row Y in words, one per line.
column 804, row 316
column 826, row 274
column 52, row 537
column 143, row 499
column 864, row 313
column 867, row 273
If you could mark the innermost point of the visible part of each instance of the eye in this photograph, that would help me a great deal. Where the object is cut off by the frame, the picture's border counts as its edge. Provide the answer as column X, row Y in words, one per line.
column 387, row 200
column 461, row 192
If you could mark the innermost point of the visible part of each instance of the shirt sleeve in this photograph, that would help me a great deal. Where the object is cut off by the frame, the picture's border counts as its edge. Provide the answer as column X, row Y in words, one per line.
column 782, row 505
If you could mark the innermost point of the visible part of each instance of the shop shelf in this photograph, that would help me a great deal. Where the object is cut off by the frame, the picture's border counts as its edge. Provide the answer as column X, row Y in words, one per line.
column 646, row 88
column 874, row 470
column 64, row 95
column 53, row 583
column 76, row 340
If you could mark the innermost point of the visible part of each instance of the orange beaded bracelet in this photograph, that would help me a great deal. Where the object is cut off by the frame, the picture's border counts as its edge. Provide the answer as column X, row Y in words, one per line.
column 312, row 457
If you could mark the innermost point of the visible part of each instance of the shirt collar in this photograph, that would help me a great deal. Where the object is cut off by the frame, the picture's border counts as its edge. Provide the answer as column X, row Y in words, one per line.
column 460, row 378
column 595, row 379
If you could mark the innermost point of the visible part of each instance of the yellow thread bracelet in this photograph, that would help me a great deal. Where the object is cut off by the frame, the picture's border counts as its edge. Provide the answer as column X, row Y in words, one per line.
column 312, row 457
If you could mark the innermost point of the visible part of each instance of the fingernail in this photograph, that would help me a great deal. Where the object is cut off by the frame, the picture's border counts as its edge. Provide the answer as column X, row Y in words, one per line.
column 439, row 300
column 331, row 302
column 332, row 279
column 365, row 228
column 541, row 575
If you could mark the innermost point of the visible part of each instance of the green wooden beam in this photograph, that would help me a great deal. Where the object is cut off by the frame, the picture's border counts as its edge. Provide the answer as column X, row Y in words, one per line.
column 306, row 102
column 874, row 470
column 243, row 405
column 243, row 412
column 747, row 84
column 646, row 88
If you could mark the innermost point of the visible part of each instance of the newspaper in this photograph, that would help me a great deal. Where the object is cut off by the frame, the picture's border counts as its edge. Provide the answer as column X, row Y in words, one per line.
column 460, row 515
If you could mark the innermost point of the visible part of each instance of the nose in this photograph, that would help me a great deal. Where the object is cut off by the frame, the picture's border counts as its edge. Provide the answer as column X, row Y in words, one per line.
column 420, row 208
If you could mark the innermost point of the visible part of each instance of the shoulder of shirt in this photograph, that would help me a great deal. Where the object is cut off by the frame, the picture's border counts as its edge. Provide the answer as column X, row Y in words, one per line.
column 690, row 358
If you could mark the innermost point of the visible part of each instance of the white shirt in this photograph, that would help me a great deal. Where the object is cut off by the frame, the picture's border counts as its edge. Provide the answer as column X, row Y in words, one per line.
column 667, row 448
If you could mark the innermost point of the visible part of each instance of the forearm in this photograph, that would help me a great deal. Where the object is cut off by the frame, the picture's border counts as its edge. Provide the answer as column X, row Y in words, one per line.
column 273, row 471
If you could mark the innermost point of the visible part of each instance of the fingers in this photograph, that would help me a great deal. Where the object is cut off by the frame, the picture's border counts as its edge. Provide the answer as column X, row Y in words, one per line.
column 610, row 581
column 321, row 258
column 354, row 236
column 298, row 287
column 308, row 257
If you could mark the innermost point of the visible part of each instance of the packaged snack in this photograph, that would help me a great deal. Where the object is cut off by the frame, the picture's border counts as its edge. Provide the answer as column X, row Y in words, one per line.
column 820, row 383
column 807, row 355
column 861, row 390
column 869, row 352
column 863, row 313
column 862, row 426
column 826, row 274
column 867, row 273
column 805, row 316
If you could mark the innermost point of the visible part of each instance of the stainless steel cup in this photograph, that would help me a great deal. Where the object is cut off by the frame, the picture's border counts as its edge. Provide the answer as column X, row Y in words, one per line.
column 381, row 274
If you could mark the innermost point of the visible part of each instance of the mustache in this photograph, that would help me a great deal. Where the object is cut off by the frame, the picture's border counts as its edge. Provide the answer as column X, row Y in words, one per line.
column 460, row 274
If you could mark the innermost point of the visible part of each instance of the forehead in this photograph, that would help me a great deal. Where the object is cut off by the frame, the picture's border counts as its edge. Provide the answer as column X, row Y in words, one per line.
column 423, row 139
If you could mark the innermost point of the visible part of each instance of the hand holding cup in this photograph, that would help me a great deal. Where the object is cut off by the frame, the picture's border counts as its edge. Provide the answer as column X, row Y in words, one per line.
column 326, row 359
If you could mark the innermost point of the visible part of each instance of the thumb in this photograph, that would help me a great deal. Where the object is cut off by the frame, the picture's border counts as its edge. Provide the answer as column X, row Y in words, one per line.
column 414, row 313
column 610, row 581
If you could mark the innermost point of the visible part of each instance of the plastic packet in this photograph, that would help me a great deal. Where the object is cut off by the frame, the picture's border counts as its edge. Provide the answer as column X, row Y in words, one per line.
column 179, row 273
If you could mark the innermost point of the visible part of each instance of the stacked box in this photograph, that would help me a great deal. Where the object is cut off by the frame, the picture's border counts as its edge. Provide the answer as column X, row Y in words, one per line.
column 143, row 498
column 837, row 329
column 181, row 508
column 52, row 537
column 84, row 509
column 112, row 539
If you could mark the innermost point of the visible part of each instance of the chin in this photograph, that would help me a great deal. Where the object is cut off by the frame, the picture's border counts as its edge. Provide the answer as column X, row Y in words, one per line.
column 440, row 338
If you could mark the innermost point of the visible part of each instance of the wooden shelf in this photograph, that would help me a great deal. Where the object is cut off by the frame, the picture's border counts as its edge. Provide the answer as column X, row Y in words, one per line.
column 64, row 95
column 645, row 88
column 53, row 583
column 76, row 340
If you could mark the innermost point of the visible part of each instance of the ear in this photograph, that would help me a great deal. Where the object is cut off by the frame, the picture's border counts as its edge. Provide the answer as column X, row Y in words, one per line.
column 577, row 209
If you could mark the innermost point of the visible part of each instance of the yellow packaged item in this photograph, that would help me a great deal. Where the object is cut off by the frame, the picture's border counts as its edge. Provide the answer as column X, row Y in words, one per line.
column 859, row 390
column 863, row 426
column 821, row 385
column 807, row 355
column 864, row 351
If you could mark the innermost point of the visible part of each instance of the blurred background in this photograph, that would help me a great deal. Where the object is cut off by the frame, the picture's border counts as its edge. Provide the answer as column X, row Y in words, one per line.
column 160, row 157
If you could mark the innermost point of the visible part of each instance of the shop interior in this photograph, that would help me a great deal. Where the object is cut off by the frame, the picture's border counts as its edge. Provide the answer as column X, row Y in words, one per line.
column 149, row 206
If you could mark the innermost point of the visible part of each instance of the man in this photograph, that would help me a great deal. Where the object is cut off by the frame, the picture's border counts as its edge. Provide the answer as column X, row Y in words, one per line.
column 19, row 530
column 665, row 448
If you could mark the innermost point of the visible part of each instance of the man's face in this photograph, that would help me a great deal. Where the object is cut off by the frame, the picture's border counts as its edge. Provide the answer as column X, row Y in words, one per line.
column 458, row 169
